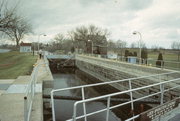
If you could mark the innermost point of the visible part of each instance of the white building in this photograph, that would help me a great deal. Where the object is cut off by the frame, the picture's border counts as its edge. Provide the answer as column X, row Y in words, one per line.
column 25, row 47
column 112, row 55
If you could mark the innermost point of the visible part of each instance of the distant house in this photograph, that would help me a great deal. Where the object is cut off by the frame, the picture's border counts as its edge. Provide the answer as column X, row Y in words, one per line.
column 25, row 47
column 132, row 59
column 112, row 55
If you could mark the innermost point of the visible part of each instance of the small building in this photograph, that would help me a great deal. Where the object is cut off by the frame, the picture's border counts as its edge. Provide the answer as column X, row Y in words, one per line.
column 25, row 47
column 112, row 55
column 132, row 59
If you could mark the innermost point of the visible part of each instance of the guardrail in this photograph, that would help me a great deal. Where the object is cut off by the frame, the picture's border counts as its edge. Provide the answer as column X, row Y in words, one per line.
column 31, row 88
column 130, row 90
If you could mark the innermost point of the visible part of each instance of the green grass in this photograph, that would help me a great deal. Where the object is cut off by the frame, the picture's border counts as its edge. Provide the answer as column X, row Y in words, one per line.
column 14, row 64
column 166, row 56
column 171, row 60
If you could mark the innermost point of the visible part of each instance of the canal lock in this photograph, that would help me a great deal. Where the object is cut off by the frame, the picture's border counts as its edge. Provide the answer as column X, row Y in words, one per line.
column 62, row 70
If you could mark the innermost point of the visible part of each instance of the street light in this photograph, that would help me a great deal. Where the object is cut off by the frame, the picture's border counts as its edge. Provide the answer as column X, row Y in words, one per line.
column 39, row 39
column 92, row 45
column 136, row 32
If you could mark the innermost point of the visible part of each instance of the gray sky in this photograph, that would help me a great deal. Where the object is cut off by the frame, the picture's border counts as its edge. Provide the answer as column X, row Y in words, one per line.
column 157, row 20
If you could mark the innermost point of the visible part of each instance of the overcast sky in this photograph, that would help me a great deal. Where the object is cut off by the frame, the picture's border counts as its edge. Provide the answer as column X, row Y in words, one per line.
column 157, row 20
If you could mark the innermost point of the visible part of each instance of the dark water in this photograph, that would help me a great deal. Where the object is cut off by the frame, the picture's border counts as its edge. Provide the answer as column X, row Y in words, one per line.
column 64, row 108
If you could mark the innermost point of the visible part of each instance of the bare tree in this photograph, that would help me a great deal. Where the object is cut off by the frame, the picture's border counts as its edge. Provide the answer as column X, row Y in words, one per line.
column 19, row 28
column 14, row 26
column 82, row 34
column 134, row 45
column 176, row 46
column 59, row 40
column 111, row 45
column 121, row 45
column 137, row 44
column 7, row 15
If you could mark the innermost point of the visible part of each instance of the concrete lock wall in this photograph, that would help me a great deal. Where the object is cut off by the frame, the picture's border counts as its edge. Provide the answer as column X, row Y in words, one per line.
column 108, row 70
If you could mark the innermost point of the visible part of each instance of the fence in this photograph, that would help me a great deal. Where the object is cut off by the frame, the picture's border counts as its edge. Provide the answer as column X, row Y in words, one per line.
column 163, row 86
column 31, row 88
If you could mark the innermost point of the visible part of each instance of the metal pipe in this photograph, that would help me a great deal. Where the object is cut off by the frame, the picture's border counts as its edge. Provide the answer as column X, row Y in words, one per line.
column 131, row 97
column 115, row 81
column 162, row 93
column 84, row 104
column 108, row 105
column 114, row 94
column 126, row 91
column 25, row 108
column 136, row 32
column 52, row 103
column 30, row 92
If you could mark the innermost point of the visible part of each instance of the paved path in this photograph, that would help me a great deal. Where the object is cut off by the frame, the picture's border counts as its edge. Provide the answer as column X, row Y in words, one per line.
column 12, row 96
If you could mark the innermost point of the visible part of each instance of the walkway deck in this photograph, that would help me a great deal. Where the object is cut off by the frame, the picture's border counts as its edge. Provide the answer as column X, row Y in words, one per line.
column 12, row 97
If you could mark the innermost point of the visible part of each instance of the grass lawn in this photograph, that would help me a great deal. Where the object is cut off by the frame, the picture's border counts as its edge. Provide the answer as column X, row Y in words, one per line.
column 166, row 56
column 171, row 60
column 14, row 64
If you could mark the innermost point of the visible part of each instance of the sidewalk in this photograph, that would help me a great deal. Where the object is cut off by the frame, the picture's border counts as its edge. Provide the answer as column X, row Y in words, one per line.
column 12, row 96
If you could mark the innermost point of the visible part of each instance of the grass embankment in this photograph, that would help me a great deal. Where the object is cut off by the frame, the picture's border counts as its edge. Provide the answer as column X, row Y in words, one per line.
column 14, row 64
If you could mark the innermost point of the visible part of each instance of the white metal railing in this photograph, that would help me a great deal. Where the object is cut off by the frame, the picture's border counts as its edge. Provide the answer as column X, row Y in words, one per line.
column 130, row 90
column 30, row 91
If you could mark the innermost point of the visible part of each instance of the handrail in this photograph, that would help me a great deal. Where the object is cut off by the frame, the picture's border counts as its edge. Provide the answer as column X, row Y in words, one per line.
column 30, row 91
column 116, row 81
column 115, row 94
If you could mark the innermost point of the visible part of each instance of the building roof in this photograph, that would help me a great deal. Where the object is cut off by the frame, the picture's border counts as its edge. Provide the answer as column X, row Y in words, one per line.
column 25, row 44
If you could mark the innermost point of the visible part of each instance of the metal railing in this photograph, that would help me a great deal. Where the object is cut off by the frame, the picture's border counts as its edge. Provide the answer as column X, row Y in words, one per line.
column 130, row 91
column 31, row 89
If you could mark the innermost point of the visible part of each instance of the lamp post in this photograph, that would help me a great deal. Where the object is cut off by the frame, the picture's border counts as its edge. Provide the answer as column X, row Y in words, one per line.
column 39, row 39
column 136, row 32
column 92, row 46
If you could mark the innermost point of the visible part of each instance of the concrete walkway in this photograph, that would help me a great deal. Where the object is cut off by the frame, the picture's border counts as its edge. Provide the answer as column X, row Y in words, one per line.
column 12, row 96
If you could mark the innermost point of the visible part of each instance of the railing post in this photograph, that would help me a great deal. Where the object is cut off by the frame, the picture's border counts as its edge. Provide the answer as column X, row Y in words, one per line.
column 34, row 83
column 131, row 96
column 108, row 105
column 31, row 90
column 25, row 108
column 84, row 104
column 161, row 64
column 162, row 93
column 52, row 104
column 162, row 96
column 74, row 113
